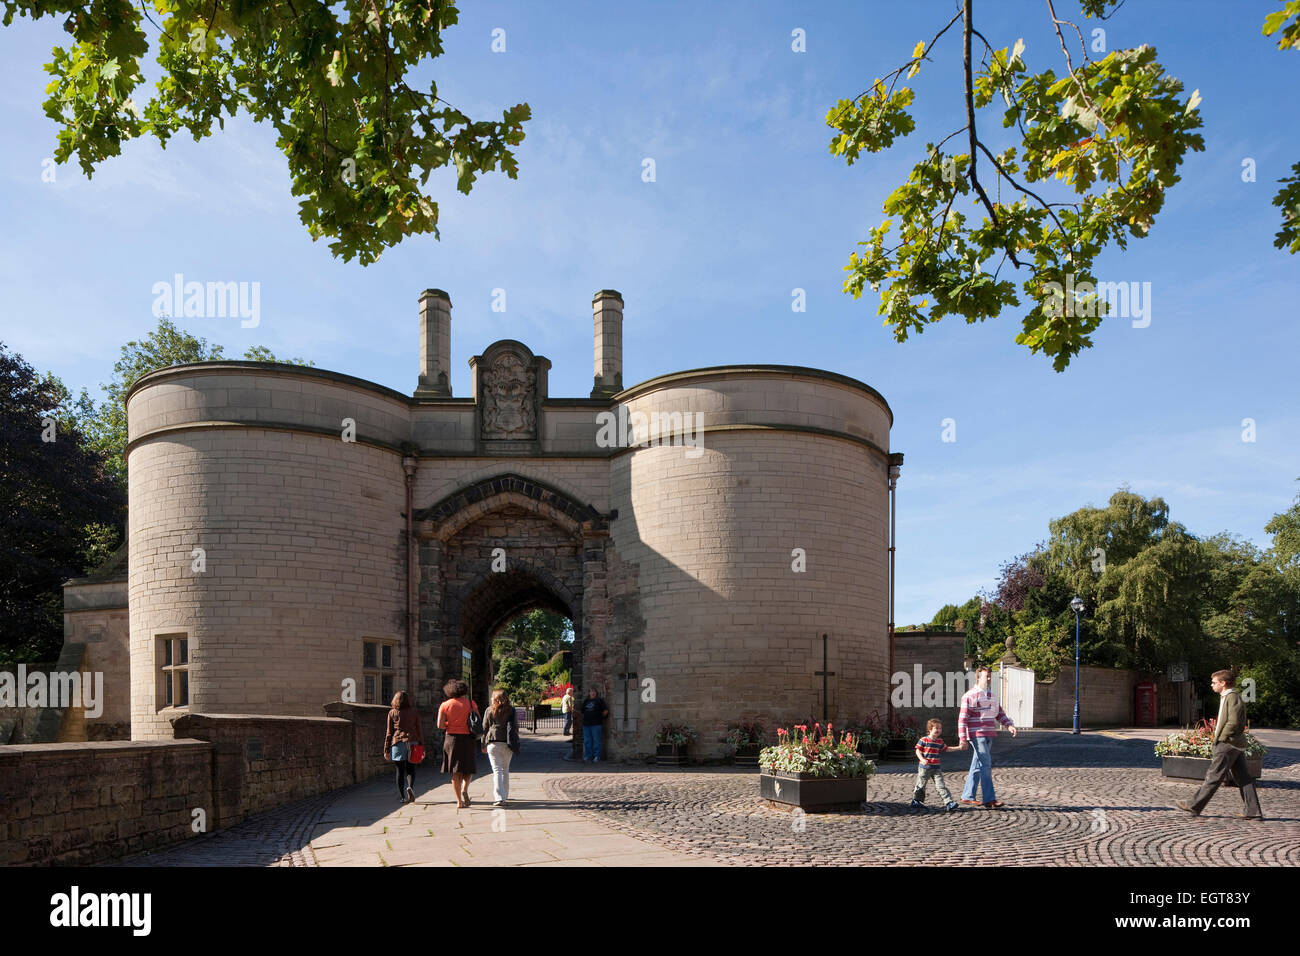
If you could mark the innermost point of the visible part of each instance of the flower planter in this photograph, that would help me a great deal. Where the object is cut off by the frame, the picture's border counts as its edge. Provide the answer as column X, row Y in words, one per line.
column 670, row 755
column 807, row 792
column 1195, row 768
column 747, row 756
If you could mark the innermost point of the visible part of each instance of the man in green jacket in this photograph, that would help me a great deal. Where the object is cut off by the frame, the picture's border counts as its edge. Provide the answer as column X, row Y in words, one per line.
column 1228, row 758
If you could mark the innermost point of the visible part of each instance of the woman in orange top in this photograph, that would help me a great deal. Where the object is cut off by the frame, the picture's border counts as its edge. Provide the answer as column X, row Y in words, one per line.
column 458, row 746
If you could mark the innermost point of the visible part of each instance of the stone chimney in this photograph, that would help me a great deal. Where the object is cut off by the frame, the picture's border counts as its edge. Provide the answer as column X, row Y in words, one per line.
column 435, row 345
column 607, row 312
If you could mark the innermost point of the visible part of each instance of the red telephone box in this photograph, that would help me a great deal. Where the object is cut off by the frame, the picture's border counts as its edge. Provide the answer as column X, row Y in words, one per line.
column 1144, row 704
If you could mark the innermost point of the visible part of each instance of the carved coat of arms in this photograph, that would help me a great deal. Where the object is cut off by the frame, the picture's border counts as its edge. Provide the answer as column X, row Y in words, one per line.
column 510, row 399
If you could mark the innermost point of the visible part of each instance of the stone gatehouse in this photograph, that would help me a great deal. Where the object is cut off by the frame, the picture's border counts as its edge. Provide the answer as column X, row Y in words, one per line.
column 292, row 530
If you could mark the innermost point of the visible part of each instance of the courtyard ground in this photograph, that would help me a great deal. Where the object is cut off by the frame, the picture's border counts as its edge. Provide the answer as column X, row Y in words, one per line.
column 1094, row 799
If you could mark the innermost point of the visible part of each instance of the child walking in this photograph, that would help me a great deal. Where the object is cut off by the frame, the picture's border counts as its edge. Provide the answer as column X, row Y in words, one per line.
column 928, row 749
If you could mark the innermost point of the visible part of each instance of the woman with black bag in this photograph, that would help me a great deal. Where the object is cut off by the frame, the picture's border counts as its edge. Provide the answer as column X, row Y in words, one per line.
column 458, row 716
column 501, row 743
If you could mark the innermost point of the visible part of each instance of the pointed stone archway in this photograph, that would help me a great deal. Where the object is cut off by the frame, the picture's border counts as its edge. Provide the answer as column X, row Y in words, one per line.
column 495, row 549
column 486, row 603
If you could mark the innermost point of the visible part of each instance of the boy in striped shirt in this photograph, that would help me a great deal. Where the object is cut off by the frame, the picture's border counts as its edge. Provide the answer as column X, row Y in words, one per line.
column 928, row 749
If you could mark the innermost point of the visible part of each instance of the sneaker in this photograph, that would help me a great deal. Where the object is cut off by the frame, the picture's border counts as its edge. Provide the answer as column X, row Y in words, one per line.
column 917, row 804
column 952, row 805
column 1184, row 805
column 498, row 803
column 410, row 795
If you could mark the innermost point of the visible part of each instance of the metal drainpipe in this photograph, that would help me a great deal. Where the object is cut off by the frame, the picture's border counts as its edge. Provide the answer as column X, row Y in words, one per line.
column 409, row 464
column 895, row 466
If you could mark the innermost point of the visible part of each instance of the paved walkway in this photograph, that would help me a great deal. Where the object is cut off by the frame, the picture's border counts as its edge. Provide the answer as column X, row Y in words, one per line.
column 365, row 825
column 1095, row 799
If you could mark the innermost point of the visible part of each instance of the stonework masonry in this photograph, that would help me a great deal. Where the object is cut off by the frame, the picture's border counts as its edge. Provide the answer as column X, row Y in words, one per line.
column 268, row 529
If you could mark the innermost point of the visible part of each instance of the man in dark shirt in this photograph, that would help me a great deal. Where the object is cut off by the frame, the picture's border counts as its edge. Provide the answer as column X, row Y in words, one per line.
column 594, row 713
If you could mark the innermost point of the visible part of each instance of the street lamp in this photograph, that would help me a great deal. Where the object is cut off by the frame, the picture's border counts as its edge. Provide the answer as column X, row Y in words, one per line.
column 1076, row 605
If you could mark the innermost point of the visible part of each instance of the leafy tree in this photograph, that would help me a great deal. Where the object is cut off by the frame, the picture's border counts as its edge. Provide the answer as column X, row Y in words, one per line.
column 519, row 680
column 536, row 636
column 164, row 347
column 1153, row 594
column 1286, row 23
column 1084, row 544
column 331, row 78
column 55, row 502
column 1114, row 131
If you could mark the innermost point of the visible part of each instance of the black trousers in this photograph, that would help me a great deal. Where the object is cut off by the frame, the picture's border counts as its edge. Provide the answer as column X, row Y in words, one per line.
column 1228, row 762
column 405, row 770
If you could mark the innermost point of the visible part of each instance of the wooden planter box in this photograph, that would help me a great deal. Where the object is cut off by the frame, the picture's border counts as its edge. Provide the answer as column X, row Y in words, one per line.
column 1195, row 768
column 747, row 756
column 670, row 755
column 900, row 748
column 811, row 793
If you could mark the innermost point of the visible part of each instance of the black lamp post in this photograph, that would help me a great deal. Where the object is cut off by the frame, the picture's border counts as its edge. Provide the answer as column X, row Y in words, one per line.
column 1076, row 605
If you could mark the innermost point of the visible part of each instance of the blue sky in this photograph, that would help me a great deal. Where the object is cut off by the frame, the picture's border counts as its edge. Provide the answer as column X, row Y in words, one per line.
column 747, row 205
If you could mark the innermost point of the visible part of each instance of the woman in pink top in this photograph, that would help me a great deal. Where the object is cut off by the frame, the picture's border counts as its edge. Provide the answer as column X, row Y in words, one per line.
column 458, row 748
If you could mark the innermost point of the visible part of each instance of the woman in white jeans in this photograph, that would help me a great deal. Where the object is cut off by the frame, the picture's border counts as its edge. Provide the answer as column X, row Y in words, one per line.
column 500, row 743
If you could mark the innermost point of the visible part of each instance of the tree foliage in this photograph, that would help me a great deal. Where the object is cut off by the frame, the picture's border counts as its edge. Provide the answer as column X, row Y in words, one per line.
column 1285, row 23
column 57, row 504
column 1112, row 131
column 1153, row 594
column 331, row 78
column 529, row 653
column 165, row 346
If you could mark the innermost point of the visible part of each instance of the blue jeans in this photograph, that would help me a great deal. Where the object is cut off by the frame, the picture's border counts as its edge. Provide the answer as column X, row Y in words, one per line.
column 981, row 770
column 568, row 722
column 592, row 741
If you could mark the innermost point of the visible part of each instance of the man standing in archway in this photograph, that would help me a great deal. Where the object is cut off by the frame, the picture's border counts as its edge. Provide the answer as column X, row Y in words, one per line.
column 567, row 704
column 594, row 713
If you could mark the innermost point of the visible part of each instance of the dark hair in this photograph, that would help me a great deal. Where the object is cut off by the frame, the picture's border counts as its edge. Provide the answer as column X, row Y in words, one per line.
column 455, row 688
column 400, row 701
column 1228, row 677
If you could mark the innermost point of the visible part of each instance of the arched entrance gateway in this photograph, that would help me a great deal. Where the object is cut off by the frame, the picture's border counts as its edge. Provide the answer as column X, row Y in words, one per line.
column 491, row 551
column 701, row 530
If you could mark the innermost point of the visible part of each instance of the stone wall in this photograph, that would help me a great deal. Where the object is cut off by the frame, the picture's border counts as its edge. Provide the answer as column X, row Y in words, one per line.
column 683, row 572
column 1106, row 695
column 95, row 615
column 263, row 762
column 938, row 652
column 79, row 803
column 747, row 552
column 303, row 542
column 18, row 724
column 1106, row 698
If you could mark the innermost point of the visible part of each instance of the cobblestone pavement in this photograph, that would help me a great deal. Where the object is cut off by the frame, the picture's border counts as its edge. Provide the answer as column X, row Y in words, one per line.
column 1070, row 801
column 277, row 837
column 1097, row 799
